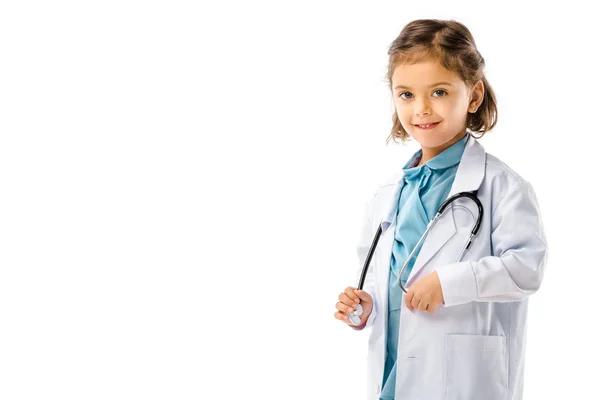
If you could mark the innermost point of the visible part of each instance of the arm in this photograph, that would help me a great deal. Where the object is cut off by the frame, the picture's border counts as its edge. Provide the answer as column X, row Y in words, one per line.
column 516, row 269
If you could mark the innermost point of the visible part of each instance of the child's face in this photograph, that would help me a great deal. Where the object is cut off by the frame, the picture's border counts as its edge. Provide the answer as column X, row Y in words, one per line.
column 447, row 104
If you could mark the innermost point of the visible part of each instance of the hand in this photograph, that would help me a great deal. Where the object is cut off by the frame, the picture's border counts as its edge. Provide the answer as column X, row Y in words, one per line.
column 426, row 294
column 348, row 300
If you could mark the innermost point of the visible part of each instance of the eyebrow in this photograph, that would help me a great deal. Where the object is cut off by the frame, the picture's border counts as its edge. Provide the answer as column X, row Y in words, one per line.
column 435, row 84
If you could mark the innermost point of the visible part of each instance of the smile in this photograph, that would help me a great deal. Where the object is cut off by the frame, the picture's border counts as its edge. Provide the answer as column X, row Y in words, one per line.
column 427, row 126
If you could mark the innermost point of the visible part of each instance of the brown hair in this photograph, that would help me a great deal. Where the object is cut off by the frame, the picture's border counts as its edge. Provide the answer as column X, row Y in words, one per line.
column 452, row 44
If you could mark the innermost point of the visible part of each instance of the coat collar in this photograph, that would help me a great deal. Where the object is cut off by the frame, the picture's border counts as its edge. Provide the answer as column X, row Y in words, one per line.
column 469, row 175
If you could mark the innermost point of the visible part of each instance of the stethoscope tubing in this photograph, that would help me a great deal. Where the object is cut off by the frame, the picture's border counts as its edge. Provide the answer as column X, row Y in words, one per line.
column 442, row 209
column 355, row 316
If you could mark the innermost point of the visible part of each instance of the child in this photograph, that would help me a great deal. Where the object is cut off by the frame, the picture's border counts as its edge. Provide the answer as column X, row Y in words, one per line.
column 459, row 331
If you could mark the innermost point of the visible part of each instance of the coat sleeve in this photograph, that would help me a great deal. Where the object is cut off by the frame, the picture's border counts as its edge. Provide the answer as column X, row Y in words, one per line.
column 366, row 236
column 516, row 268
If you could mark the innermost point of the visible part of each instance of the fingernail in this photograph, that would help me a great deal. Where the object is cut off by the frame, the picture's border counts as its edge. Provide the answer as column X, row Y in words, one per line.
column 350, row 309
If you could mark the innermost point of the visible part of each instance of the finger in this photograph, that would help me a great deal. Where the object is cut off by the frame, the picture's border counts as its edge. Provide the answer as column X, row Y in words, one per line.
column 423, row 305
column 432, row 307
column 408, row 300
column 350, row 293
column 342, row 317
column 344, row 299
column 343, row 307
column 415, row 301
column 363, row 296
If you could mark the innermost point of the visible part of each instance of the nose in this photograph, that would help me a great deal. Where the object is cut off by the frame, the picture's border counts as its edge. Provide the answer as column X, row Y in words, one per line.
column 422, row 107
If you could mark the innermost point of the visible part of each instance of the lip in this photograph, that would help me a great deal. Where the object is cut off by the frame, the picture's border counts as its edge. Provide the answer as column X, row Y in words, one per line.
column 431, row 127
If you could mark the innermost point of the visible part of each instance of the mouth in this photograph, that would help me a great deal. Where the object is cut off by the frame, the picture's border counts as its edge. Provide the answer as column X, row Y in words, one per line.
column 427, row 127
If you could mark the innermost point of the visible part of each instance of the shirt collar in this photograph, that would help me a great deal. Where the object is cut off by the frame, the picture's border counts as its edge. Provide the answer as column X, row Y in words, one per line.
column 469, row 176
column 447, row 158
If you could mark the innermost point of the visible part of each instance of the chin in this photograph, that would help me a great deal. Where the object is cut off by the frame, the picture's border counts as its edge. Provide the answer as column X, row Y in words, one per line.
column 430, row 141
column 431, row 145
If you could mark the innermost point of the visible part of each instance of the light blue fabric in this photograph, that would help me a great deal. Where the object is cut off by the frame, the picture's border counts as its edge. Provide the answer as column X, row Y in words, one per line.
column 425, row 188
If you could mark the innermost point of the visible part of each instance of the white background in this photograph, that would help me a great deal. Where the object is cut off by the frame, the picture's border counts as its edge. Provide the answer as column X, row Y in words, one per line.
column 181, row 186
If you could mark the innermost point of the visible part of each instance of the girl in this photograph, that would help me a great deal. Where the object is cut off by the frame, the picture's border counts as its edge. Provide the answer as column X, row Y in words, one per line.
column 459, row 330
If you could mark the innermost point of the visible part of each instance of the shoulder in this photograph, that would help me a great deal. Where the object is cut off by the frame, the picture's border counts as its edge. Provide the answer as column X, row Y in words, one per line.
column 499, row 170
column 388, row 185
column 382, row 191
column 501, row 182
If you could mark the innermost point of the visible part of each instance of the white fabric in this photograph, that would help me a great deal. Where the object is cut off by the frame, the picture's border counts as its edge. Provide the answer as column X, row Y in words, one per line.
column 473, row 346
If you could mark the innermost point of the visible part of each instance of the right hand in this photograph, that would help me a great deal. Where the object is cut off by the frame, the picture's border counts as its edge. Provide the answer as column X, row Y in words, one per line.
column 348, row 300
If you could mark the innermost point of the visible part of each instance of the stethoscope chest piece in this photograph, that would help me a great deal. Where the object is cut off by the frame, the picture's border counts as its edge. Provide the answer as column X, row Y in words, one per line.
column 355, row 316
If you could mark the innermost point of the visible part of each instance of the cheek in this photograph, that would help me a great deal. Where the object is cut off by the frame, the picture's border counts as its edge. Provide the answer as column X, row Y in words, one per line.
column 458, row 116
column 457, row 110
column 402, row 113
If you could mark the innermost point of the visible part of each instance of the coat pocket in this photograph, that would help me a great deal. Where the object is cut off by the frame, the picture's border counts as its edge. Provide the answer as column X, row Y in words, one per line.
column 476, row 367
column 410, row 377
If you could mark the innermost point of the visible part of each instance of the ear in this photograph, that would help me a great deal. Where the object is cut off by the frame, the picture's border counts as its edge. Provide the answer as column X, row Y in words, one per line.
column 477, row 94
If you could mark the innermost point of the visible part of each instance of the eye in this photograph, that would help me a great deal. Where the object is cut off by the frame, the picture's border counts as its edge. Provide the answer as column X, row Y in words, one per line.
column 436, row 91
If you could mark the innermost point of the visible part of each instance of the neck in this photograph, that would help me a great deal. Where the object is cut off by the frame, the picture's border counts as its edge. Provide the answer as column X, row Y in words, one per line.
column 431, row 152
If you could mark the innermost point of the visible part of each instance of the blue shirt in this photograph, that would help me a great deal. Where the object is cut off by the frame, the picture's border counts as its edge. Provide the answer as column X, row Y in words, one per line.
column 425, row 189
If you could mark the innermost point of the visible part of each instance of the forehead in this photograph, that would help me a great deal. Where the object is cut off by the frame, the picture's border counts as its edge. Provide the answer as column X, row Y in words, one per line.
column 423, row 74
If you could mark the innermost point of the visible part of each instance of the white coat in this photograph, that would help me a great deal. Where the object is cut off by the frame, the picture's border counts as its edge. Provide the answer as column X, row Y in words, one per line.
column 473, row 346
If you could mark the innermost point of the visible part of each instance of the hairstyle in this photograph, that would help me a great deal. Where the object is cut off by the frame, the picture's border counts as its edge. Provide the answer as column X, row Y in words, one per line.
column 452, row 44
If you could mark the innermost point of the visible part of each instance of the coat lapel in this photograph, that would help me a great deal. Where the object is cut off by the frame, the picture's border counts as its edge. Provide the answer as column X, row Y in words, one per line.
column 469, row 175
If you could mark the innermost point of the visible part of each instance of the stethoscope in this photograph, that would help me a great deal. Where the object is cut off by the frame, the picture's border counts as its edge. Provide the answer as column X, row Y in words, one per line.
column 355, row 316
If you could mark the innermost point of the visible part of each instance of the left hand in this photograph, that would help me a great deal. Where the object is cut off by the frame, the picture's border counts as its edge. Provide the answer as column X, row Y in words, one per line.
column 426, row 294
